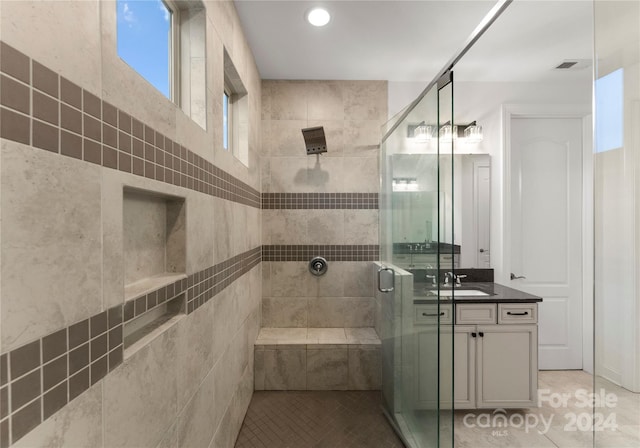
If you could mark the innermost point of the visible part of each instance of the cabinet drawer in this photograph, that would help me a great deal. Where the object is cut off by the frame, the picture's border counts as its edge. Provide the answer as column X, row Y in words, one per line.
column 424, row 258
column 517, row 313
column 428, row 314
column 471, row 313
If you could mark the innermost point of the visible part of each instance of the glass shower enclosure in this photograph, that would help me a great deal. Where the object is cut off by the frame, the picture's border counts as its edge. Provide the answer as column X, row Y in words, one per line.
column 417, row 252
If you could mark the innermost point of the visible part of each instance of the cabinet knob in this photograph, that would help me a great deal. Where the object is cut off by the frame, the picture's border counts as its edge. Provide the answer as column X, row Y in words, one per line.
column 473, row 335
column 481, row 334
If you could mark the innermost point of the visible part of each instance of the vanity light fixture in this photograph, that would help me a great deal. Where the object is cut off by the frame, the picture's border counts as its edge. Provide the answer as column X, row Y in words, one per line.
column 473, row 133
column 420, row 132
column 405, row 184
column 466, row 133
column 448, row 132
column 423, row 132
column 318, row 17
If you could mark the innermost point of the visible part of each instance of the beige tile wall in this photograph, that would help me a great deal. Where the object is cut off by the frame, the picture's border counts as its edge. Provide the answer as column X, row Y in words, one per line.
column 62, row 241
column 317, row 359
column 352, row 113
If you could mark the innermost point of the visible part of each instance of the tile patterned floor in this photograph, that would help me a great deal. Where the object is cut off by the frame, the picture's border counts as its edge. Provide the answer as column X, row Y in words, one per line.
column 350, row 419
column 353, row 419
column 560, row 433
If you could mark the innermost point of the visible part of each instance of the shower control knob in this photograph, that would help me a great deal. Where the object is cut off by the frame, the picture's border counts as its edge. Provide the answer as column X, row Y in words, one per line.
column 318, row 266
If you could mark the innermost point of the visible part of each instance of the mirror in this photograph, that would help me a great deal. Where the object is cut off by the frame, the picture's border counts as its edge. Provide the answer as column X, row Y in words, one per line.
column 415, row 211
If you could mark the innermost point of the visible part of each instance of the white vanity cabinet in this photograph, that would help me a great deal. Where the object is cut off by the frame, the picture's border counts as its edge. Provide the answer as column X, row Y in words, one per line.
column 495, row 354
column 500, row 353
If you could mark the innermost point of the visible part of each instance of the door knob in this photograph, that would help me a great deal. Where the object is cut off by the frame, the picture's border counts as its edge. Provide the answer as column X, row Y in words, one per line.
column 481, row 251
column 516, row 277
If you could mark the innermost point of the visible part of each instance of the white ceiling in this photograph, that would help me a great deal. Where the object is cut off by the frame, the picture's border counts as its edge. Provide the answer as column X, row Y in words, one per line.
column 399, row 40
column 529, row 40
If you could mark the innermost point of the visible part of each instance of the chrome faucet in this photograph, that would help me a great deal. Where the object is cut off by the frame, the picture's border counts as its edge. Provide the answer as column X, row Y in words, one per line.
column 449, row 278
column 458, row 277
column 453, row 279
column 432, row 278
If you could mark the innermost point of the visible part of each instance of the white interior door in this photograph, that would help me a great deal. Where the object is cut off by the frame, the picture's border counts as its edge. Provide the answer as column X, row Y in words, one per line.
column 482, row 204
column 546, row 231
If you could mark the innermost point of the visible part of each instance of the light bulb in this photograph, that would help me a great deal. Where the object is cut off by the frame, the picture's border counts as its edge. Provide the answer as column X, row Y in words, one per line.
column 318, row 17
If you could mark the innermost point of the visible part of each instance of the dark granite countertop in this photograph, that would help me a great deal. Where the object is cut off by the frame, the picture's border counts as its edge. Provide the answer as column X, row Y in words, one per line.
column 498, row 294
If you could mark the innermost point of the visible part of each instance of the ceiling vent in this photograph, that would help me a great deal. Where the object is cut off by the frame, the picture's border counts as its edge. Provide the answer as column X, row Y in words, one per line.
column 566, row 65
column 573, row 64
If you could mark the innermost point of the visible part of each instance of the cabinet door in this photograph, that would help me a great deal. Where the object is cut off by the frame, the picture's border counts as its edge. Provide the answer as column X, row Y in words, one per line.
column 426, row 354
column 507, row 366
column 433, row 366
column 464, row 367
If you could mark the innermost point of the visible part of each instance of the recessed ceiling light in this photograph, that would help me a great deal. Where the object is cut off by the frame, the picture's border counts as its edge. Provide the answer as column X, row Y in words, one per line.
column 318, row 17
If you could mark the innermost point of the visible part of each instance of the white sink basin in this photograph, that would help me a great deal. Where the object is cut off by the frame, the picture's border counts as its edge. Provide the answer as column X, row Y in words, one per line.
column 458, row 292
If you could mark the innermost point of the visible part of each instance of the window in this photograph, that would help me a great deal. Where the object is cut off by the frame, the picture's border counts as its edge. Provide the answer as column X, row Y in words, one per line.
column 225, row 120
column 165, row 42
column 610, row 111
column 144, row 32
column 235, row 113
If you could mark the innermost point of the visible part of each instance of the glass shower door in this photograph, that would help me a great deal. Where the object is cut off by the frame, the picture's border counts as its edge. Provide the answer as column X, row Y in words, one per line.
column 416, row 236
column 616, row 376
column 446, row 256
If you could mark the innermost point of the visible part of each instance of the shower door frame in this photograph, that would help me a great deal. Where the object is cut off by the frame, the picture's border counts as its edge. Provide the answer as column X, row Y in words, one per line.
column 442, row 78
column 435, row 427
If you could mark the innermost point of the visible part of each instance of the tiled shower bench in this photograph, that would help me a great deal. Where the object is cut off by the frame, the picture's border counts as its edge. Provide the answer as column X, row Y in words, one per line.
column 317, row 359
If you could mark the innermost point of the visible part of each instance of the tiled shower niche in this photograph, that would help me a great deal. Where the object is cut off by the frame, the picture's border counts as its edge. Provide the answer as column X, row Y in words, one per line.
column 154, row 261
column 154, row 241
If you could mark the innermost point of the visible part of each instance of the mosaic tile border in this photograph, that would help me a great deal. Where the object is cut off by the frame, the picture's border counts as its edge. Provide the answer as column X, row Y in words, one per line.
column 45, row 110
column 140, row 305
column 204, row 285
column 351, row 201
column 368, row 252
column 40, row 378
